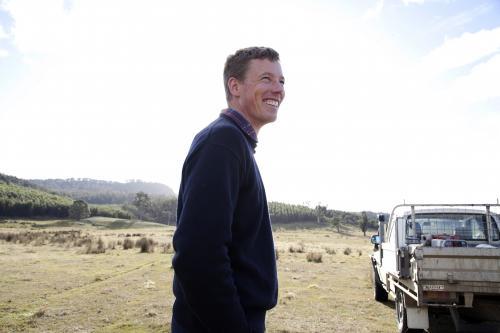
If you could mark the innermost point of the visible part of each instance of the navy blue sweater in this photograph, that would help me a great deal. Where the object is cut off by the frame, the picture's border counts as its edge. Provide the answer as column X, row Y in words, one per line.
column 225, row 268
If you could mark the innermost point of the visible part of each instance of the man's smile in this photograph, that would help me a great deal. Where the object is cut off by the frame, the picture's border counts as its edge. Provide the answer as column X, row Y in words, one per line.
column 272, row 102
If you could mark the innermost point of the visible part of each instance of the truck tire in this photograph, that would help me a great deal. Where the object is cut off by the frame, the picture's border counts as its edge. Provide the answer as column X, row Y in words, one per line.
column 379, row 293
column 401, row 318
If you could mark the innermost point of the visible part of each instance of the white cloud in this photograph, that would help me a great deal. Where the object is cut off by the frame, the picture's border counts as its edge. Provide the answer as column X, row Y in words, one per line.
column 408, row 2
column 375, row 11
column 3, row 34
column 480, row 84
column 38, row 25
column 462, row 18
column 4, row 53
column 463, row 50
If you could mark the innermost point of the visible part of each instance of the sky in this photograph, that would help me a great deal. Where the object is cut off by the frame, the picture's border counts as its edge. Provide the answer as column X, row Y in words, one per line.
column 386, row 101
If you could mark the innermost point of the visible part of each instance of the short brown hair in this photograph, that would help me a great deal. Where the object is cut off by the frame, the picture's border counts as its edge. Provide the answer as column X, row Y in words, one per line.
column 237, row 64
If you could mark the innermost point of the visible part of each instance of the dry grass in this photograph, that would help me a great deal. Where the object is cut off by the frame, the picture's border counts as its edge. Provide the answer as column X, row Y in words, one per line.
column 57, row 289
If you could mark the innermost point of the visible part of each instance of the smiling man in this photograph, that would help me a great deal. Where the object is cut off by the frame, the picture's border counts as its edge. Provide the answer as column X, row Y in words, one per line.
column 225, row 268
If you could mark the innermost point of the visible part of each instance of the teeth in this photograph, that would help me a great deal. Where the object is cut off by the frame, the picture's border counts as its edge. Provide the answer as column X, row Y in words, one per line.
column 271, row 102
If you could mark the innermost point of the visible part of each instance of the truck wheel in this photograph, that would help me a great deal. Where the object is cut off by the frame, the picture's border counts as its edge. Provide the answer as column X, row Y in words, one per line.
column 401, row 318
column 379, row 293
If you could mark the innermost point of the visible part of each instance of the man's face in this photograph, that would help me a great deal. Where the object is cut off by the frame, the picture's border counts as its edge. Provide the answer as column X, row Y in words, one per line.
column 261, row 92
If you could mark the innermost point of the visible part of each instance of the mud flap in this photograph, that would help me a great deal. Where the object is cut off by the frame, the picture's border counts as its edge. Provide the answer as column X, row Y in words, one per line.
column 417, row 317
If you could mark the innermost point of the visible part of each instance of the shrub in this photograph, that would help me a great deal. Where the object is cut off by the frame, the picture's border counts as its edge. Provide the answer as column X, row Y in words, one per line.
column 83, row 241
column 39, row 242
column 96, row 248
column 146, row 244
column 314, row 257
column 10, row 237
column 165, row 247
column 330, row 250
column 58, row 239
column 297, row 249
column 128, row 244
column 347, row 251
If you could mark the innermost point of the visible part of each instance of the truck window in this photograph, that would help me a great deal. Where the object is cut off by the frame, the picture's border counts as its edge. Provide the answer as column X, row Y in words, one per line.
column 470, row 227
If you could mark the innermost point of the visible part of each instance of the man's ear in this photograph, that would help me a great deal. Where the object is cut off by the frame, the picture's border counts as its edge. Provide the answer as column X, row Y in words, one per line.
column 234, row 86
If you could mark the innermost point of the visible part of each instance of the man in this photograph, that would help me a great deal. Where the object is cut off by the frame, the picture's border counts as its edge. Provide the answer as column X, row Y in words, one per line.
column 225, row 268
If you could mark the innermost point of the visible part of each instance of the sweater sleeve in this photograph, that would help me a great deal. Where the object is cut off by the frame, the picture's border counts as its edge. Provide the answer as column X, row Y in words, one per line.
column 202, row 264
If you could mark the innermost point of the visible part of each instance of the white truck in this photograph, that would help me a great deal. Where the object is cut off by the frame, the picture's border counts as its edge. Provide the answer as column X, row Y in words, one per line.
column 440, row 261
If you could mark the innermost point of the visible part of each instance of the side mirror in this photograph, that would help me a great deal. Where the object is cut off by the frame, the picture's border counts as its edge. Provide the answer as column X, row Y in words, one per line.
column 375, row 239
column 381, row 217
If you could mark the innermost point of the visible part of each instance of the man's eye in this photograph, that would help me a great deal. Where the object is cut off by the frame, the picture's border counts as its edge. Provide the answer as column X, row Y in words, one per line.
column 266, row 78
column 282, row 82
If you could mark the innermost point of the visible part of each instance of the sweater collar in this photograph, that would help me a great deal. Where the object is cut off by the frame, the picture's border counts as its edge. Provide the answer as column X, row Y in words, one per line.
column 242, row 123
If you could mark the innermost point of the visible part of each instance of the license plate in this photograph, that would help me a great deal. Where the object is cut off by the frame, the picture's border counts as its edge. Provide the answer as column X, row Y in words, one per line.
column 433, row 287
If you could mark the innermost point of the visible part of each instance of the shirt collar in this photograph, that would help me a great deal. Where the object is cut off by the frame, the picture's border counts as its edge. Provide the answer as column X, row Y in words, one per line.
column 242, row 123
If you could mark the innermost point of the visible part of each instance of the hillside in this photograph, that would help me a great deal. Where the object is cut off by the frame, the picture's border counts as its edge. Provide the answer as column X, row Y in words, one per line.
column 101, row 191
column 17, row 181
column 18, row 200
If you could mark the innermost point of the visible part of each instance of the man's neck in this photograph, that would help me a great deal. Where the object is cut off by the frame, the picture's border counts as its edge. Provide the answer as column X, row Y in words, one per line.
column 235, row 107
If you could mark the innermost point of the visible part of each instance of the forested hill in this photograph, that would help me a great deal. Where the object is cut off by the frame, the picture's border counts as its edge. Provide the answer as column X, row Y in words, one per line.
column 101, row 191
column 18, row 198
column 6, row 179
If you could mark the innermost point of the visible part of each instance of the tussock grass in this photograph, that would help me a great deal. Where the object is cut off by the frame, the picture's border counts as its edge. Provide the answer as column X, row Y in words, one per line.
column 314, row 257
column 128, row 244
column 166, row 247
column 300, row 248
column 96, row 248
column 147, row 245
column 60, row 237
column 347, row 251
column 330, row 250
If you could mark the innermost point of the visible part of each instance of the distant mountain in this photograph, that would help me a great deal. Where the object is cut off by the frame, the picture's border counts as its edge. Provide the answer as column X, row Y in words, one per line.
column 101, row 191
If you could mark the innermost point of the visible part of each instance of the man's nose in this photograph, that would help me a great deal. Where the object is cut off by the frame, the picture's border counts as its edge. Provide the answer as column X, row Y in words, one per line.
column 278, row 87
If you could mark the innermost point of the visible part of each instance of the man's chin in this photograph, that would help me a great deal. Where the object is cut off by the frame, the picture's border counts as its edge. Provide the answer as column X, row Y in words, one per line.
column 271, row 119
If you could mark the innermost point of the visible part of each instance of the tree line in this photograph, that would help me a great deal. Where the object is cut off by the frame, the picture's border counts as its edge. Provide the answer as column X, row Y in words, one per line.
column 101, row 191
column 22, row 201
column 287, row 213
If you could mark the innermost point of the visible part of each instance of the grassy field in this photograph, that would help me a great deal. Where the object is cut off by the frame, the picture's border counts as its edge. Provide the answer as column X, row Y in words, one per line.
column 52, row 279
